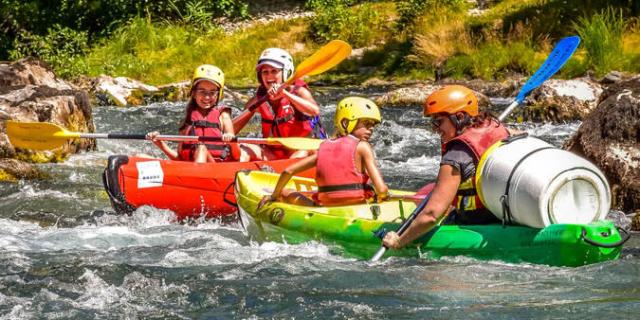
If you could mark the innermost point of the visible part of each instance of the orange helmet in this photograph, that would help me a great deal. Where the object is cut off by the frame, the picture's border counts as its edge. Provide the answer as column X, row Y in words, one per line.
column 451, row 99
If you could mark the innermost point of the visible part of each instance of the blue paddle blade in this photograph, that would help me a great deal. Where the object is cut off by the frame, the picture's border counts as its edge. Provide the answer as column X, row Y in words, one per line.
column 557, row 58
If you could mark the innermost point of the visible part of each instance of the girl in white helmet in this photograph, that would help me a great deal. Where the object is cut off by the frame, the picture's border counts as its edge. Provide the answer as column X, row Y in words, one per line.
column 285, row 111
column 205, row 116
column 344, row 166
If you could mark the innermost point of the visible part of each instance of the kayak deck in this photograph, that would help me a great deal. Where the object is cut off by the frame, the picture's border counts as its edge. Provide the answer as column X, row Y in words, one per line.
column 353, row 227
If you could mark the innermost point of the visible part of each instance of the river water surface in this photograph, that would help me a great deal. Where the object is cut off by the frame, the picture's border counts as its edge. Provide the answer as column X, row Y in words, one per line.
column 65, row 255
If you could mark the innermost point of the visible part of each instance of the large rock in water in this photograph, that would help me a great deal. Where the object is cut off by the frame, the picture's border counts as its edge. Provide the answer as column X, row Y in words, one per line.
column 562, row 100
column 418, row 93
column 30, row 91
column 610, row 138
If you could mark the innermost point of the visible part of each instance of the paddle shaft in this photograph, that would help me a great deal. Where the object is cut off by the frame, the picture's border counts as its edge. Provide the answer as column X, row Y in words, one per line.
column 403, row 227
column 179, row 138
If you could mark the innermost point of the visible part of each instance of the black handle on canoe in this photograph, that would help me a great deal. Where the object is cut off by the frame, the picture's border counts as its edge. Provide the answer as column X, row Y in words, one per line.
column 624, row 234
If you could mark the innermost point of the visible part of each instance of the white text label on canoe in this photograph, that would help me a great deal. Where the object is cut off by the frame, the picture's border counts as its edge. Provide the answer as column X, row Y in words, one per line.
column 150, row 174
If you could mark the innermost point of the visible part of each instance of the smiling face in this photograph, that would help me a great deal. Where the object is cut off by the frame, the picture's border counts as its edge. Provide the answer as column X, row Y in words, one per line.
column 206, row 94
column 443, row 126
column 364, row 129
column 270, row 75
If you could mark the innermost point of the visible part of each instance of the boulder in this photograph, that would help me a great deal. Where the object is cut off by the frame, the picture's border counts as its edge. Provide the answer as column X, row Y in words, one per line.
column 30, row 92
column 30, row 71
column 610, row 138
column 416, row 95
column 562, row 100
column 12, row 170
column 406, row 96
column 122, row 91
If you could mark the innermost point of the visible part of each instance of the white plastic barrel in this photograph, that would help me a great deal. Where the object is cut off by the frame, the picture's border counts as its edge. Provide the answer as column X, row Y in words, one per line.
column 541, row 184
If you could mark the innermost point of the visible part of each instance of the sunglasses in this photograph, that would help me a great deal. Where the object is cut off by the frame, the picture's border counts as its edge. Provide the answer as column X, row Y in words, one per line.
column 437, row 121
column 204, row 93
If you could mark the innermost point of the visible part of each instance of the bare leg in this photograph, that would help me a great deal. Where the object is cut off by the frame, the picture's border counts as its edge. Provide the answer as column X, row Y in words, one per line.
column 297, row 198
column 201, row 154
column 250, row 152
column 300, row 154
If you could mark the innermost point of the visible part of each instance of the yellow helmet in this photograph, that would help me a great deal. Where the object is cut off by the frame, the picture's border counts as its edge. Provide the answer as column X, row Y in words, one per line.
column 210, row 73
column 352, row 109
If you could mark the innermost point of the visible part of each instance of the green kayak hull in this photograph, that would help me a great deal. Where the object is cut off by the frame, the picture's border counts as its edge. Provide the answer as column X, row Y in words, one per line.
column 352, row 229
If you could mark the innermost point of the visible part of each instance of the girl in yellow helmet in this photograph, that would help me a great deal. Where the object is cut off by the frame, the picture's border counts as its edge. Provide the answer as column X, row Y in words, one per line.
column 465, row 135
column 344, row 165
column 205, row 116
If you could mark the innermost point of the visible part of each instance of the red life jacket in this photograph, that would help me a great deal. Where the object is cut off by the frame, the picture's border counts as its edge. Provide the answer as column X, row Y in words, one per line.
column 206, row 126
column 281, row 119
column 339, row 181
column 478, row 139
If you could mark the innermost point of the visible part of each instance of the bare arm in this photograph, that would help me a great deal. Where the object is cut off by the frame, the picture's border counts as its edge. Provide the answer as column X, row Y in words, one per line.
column 303, row 101
column 302, row 165
column 227, row 125
column 171, row 154
column 369, row 163
column 441, row 198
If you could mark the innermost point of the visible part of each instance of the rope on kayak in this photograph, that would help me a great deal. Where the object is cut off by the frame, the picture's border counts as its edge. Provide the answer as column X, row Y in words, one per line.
column 507, row 216
column 226, row 191
column 624, row 237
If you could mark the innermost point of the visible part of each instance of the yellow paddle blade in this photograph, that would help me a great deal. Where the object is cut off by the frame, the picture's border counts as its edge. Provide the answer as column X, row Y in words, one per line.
column 297, row 143
column 37, row 135
column 322, row 60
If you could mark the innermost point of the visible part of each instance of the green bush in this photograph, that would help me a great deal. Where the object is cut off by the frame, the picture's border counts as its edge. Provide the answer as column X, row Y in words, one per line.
column 335, row 19
column 410, row 10
column 493, row 60
column 602, row 39
column 100, row 17
column 61, row 47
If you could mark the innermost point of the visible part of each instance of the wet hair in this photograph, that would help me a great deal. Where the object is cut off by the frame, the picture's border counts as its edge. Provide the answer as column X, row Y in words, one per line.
column 462, row 120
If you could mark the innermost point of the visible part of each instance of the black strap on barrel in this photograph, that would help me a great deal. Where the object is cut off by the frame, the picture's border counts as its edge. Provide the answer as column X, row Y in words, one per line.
column 507, row 217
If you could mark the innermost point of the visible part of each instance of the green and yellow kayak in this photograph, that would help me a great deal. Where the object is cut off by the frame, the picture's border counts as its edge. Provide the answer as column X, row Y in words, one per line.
column 352, row 228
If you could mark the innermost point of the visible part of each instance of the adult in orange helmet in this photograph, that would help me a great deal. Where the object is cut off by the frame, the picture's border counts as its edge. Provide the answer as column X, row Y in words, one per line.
column 465, row 135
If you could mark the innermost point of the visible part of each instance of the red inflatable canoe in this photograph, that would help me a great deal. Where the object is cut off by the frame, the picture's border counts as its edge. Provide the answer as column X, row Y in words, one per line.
column 189, row 189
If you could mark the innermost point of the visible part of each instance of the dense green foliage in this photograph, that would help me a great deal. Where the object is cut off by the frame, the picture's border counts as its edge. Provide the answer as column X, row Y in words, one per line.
column 602, row 39
column 95, row 18
column 161, row 41
column 335, row 19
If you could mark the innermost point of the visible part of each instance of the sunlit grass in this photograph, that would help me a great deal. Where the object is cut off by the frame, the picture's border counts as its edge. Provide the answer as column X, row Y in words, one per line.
column 602, row 36
column 443, row 39
column 160, row 53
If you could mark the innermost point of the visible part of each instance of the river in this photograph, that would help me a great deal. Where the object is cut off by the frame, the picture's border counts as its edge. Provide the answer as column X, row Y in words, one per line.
column 65, row 255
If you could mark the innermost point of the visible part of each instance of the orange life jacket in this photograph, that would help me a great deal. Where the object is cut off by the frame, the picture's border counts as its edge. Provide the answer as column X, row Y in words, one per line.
column 339, row 181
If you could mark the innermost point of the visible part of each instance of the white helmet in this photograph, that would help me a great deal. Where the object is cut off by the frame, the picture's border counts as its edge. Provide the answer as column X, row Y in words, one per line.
column 276, row 58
